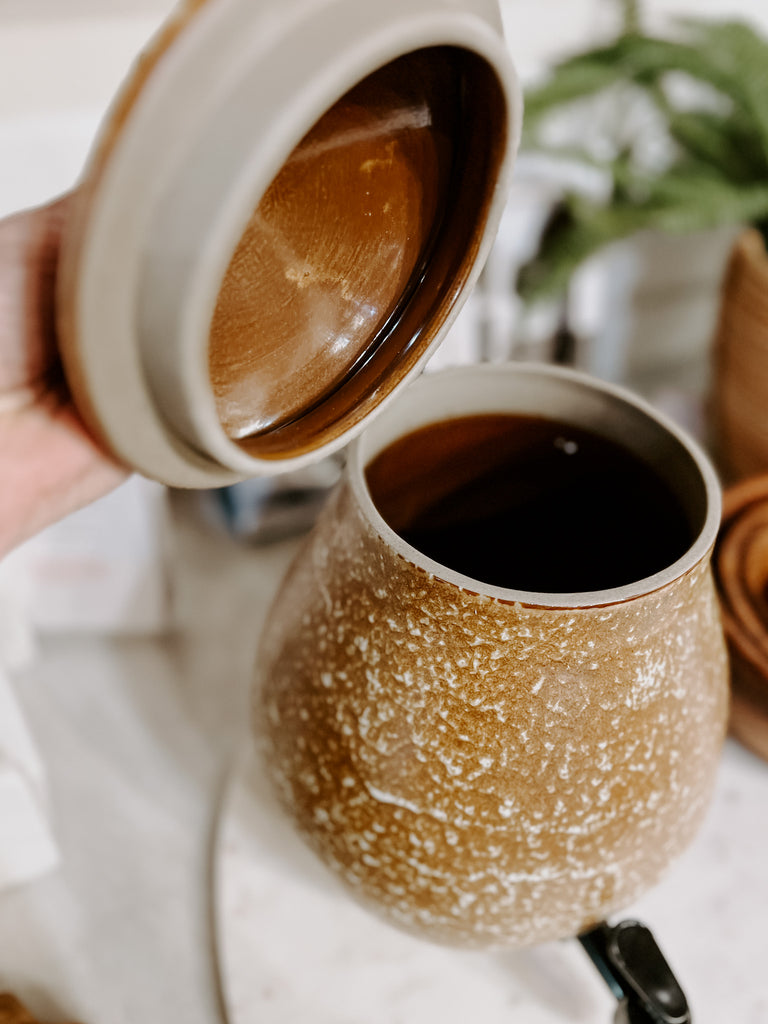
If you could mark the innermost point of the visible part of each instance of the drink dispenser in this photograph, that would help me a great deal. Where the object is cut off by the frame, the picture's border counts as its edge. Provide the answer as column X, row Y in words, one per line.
column 286, row 206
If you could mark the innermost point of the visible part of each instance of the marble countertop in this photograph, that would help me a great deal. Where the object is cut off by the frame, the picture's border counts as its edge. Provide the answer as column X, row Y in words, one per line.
column 139, row 735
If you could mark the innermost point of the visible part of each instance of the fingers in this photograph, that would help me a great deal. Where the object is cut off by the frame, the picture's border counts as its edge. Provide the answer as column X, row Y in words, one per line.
column 29, row 249
column 49, row 464
column 49, row 467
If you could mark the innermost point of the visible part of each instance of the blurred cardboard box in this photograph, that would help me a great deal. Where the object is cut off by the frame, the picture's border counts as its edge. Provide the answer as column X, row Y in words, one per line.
column 103, row 569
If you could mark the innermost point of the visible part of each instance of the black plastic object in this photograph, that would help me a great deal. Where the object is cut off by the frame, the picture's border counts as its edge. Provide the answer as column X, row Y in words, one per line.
column 632, row 965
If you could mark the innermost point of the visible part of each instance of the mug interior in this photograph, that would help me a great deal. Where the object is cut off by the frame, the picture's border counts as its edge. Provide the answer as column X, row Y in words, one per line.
column 565, row 396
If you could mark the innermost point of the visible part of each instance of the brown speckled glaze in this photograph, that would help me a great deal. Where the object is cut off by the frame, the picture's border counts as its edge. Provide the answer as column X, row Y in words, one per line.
column 482, row 771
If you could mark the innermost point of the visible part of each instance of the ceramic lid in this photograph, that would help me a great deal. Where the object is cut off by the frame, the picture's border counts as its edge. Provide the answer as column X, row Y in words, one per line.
column 287, row 204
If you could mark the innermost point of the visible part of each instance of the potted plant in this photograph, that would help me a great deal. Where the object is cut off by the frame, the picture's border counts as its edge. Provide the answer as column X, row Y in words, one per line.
column 678, row 144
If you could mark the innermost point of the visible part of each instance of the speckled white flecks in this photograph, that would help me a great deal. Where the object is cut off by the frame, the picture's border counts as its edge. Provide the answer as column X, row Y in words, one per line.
column 291, row 949
column 486, row 773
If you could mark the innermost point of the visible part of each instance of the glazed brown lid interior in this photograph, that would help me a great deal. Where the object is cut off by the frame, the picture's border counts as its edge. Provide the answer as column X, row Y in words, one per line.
column 357, row 251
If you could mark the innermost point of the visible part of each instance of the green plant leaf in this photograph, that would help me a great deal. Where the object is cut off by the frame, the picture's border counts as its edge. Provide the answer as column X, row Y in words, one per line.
column 740, row 56
column 641, row 59
column 690, row 198
column 630, row 15
column 722, row 141
column 582, row 230
column 686, row 200
column 568, row 83
column 716, row 170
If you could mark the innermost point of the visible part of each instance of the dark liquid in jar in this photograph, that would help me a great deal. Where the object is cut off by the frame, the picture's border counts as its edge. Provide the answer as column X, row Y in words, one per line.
column 529, row 503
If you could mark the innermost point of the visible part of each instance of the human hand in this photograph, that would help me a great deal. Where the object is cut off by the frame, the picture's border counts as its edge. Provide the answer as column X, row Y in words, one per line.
column 49, row 464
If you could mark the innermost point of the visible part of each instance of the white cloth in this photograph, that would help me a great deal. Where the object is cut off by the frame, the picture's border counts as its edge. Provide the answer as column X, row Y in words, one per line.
column 27, row 846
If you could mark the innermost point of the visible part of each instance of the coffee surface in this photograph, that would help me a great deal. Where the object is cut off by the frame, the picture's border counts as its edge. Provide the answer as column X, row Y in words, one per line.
column 529, row 503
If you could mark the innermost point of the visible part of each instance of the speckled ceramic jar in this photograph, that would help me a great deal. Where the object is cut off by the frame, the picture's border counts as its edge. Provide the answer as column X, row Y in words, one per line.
column 483, row 766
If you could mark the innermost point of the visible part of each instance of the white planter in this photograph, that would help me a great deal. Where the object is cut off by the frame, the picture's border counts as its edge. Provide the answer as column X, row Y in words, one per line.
column 649, row 308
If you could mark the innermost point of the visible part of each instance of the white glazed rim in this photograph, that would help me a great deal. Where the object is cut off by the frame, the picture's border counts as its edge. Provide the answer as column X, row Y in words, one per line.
column 364, row 449
column 110, row 360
